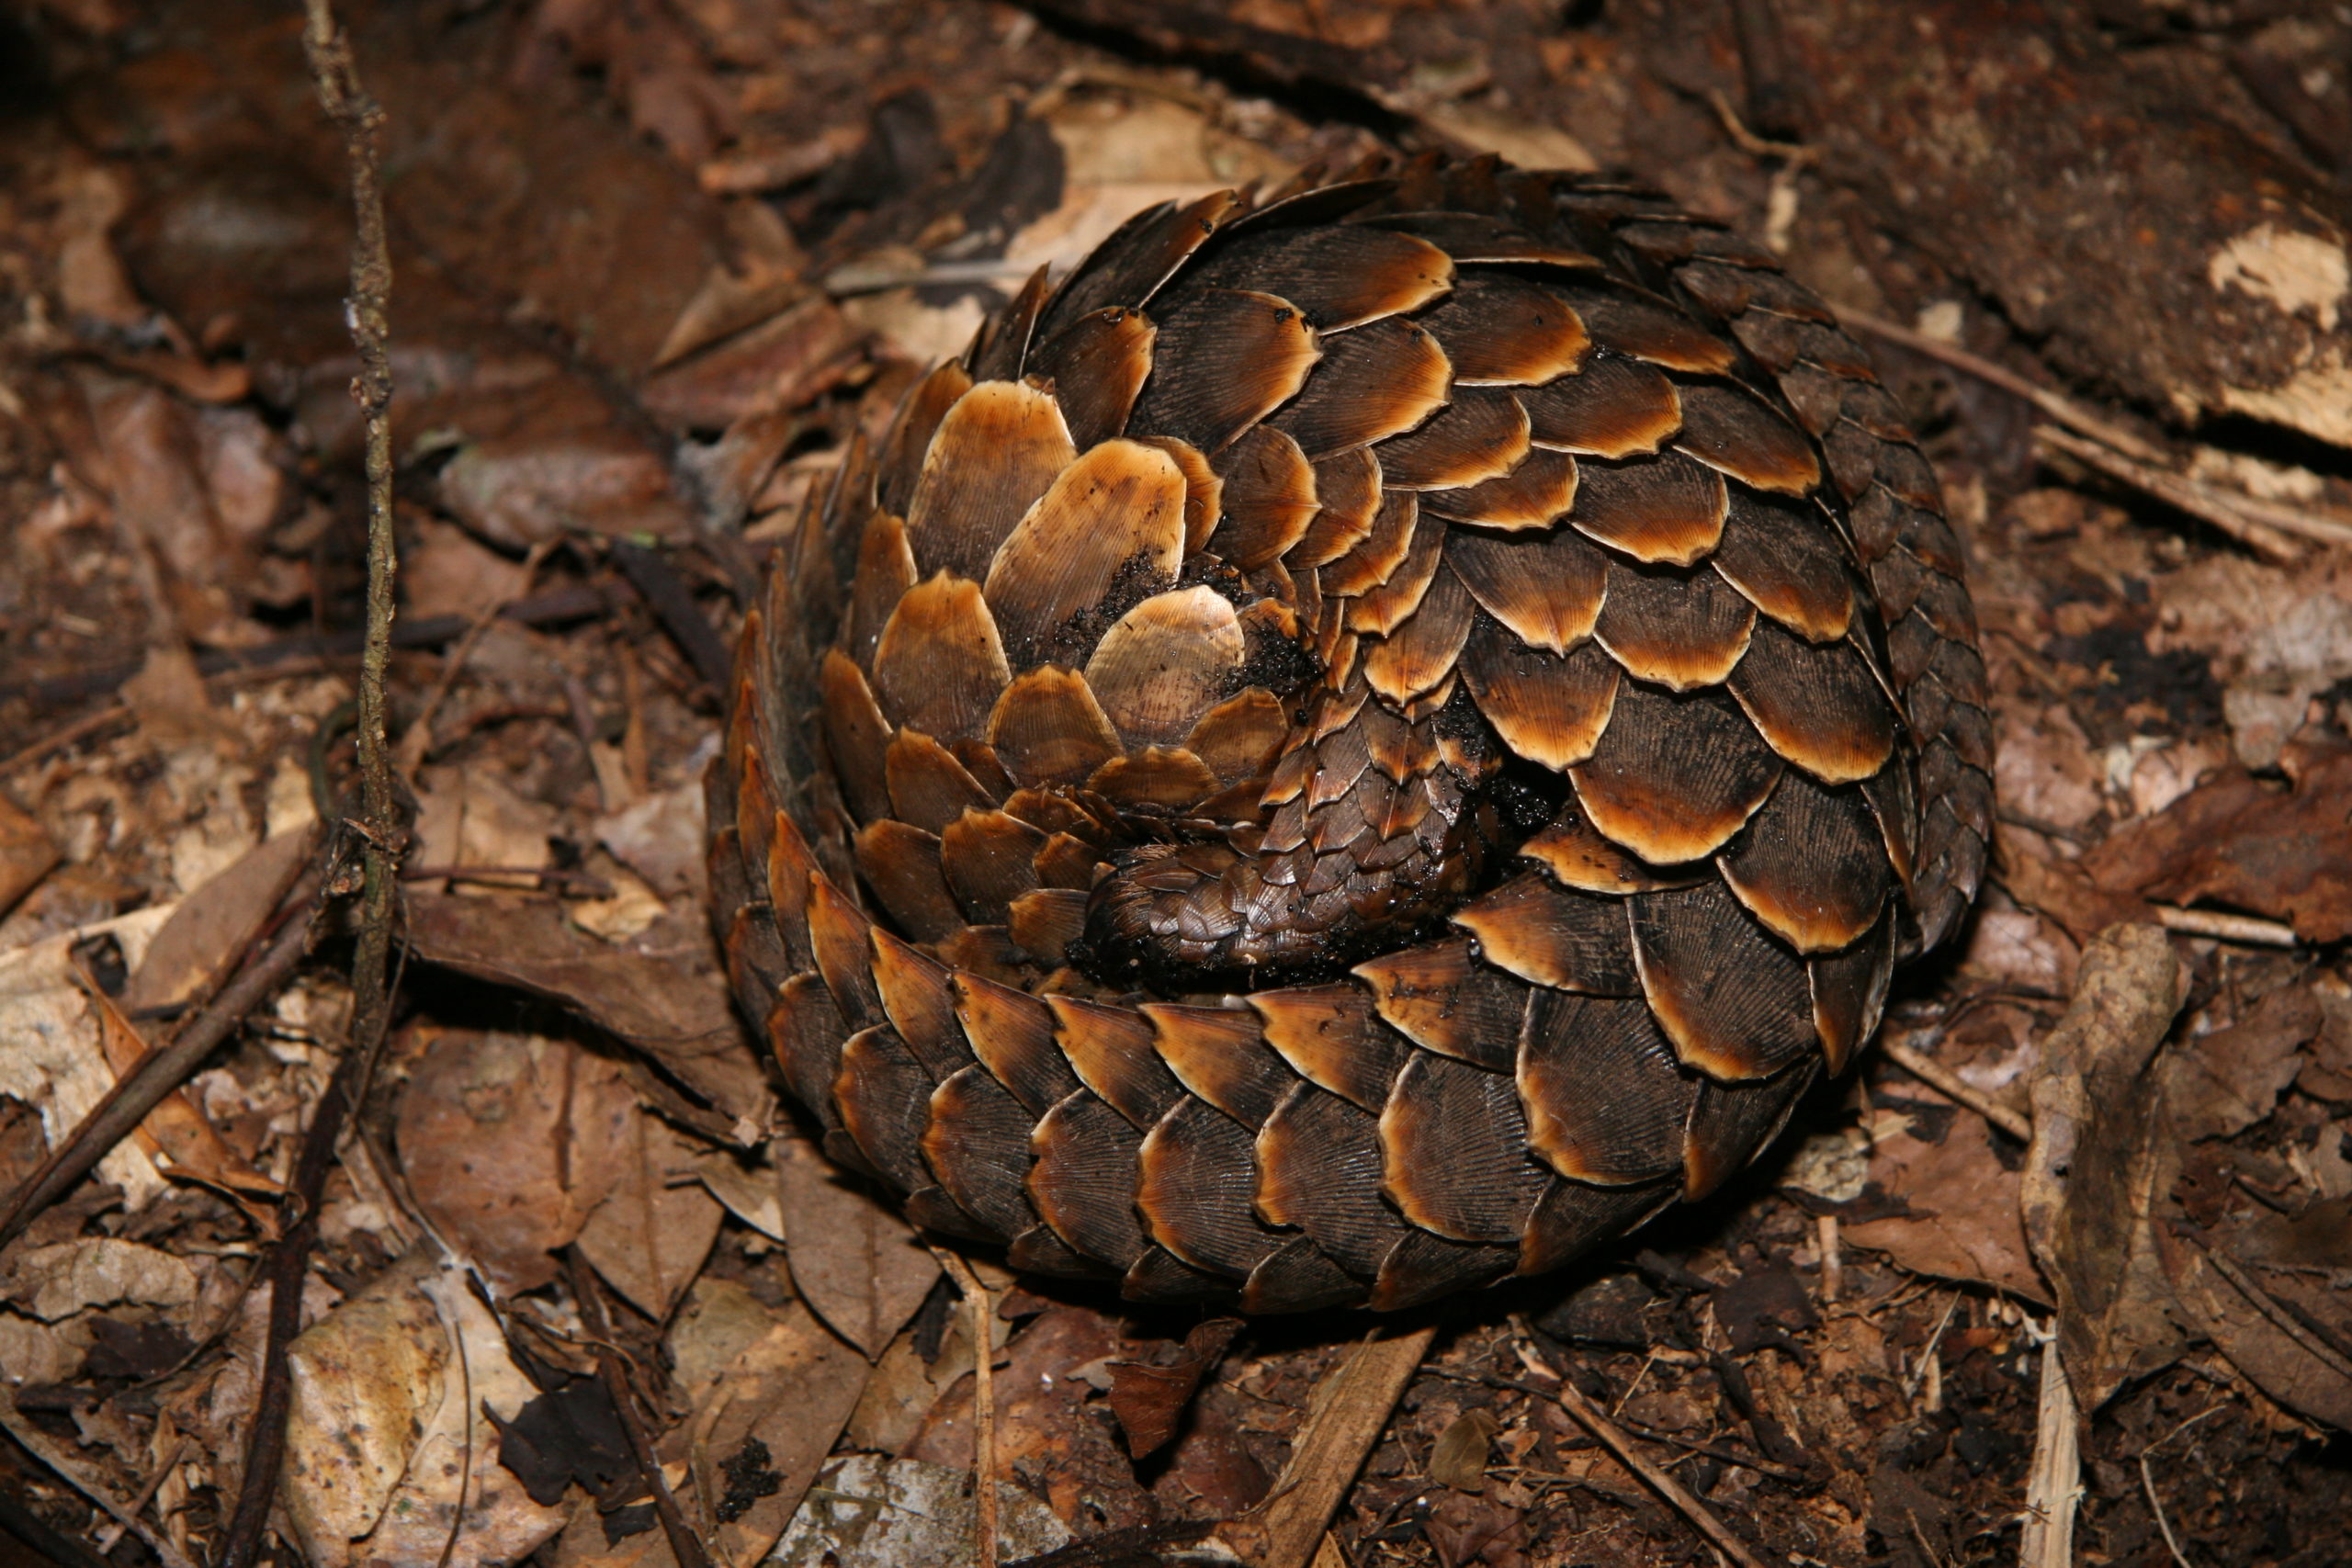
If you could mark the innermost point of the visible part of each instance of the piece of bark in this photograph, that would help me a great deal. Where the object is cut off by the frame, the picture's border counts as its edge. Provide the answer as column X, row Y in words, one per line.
column 2152, row 246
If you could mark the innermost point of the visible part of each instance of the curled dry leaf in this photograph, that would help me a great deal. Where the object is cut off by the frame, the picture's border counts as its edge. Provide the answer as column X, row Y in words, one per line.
column 67, row 1277
column 2102, row 1163
column 53, row 1058
column 855, row 1262
column 1149, row 1399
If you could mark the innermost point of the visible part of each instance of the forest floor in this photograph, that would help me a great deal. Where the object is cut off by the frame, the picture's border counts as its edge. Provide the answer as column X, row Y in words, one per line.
column 582, row 1292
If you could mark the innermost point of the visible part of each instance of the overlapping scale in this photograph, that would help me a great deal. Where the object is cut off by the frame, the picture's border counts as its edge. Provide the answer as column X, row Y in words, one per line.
column 1222, row 360
column 1112, row 523
column 996, row 450
column 1674, row 777
column 1616, row 408
column 1666, row 508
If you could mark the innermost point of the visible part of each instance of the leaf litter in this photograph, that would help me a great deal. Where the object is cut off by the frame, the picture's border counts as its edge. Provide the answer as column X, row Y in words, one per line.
column 621, row 328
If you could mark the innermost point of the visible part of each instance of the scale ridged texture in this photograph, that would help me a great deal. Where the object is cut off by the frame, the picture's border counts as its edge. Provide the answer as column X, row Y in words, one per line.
column 1356, row 747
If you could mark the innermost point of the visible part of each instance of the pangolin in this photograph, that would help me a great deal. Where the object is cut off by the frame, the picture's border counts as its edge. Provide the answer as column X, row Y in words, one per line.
column 1366, row 740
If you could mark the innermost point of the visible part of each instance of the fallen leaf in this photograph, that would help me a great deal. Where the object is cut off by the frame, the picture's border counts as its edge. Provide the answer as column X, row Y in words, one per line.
column 2221, row 1083
column 656, row 1223
column 27, row 853
column 1962, row 1221
column 176, row 1128
column 1149, row 1399
column 673, row 1006
column 2102, row 1165
column 216, row 922
column 67, row 1277
column 1458, row 1457
column 393, row 1426
column 660, row 839
column 466, row 817
column 1465, row 1529
column 509, row 1141
column 859, row 1264
column 53, row 1059
column 2230, row 1306
column 2246, row 845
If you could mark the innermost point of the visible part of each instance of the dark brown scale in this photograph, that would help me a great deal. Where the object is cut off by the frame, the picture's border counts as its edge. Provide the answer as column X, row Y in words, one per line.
column 1463, row 670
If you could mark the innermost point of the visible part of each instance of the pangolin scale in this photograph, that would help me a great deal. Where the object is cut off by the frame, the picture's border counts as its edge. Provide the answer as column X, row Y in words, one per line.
column 1369, row 741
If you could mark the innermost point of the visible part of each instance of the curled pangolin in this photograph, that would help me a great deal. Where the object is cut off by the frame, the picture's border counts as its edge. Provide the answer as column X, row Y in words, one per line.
column 1364, row 742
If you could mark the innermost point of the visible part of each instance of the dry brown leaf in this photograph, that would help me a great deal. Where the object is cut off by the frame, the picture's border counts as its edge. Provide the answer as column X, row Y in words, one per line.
column 2234, row 1308
column 387, row 1429
column 867, row 1512
column 27, row 853
column 1458, row 1457
column 67, row 1277
column 2248, row 846
column 466, row 816
column 1963, row 1221
column 177, row 1129
column 213, row 924
column 1149, row 1399
column 509, row 1140
column 656, row 1223
column 2102, row 1163
column 673, row 1006
column 859, row 1264
column 2221, row 1084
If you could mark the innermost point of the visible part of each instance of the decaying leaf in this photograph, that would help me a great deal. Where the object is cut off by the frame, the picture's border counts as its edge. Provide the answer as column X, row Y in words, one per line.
column 67, row 1277
column 53, row 1059
column 654, row 1225
column 672, row 1005
column 27, row 853
column 859, row 1264
column 509, row 1141
column 1149, row 1399
column 2241, row 843
column 2102, row 1163
column 1961, row 1220
column 2223, row 1083
column 1458, row 1457
column 214, row 923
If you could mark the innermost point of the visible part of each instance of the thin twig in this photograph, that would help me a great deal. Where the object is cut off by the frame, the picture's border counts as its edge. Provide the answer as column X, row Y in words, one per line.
column 1940, row 1078
column 2243, row 929
column 685, row 1544
column 139, row 1090
column 107, row 1538
column 984, row 1498
column 336, row 77
column 2054, row 1485
column 1611, row 1437
column 2148, row 1485
column 2064, row 410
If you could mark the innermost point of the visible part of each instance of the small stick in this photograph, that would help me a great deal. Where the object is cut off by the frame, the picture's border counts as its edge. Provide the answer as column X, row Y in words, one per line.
column 2199, row 500
column 984, row 1498
column 160, row 1072
column 1941, row 1079
column 106, row 1539
column 1611, row 1436
column 1833, row 1257
column 2212, row 923
column 685, row 1544
column 2054, row 1485
column 80, row 1477
column 2064, row 410
column 2155, row 1507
